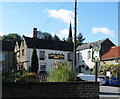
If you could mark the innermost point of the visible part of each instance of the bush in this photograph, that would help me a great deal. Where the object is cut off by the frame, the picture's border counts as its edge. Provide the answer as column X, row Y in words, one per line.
column 27, row 77
column 63, row 73
column 8, row 76
column 113, row 68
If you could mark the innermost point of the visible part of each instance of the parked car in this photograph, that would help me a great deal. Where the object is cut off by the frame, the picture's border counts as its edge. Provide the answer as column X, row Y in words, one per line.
column 114, row 80
column 103, row 80
column 86, row 77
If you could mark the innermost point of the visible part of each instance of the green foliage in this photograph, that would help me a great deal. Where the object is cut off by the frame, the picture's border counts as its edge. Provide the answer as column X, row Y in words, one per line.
column 63, row 39
column 47, row 36
column 44, row 35
column 80, row 39
column 13, row 37
column 69, row 39
column 56, row 38
column 34, row 61
column 23, row 71
column 7, row 77
column 113, row 68
column 27, row 77
column 63, row 73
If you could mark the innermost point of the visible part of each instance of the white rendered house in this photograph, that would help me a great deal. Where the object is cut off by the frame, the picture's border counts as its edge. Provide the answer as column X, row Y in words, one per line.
column 84, row 54
column 48, row 51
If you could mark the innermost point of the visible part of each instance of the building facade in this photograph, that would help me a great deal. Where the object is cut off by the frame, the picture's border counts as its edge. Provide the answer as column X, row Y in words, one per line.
column 112, row 56
column 6, row 56
column 48, row 51
column 85, row 61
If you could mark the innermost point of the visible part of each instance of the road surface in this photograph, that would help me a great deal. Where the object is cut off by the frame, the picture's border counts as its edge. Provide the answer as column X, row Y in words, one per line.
column 109, row 92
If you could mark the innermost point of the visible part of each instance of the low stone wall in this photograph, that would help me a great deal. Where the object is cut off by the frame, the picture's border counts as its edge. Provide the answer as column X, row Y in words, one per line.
column 63, row 90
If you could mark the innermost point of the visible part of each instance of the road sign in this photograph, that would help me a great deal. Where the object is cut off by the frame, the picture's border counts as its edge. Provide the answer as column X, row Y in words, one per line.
column 96, row 53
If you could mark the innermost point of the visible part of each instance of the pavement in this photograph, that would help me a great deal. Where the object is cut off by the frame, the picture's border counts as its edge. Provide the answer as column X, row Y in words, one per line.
column 109, row 92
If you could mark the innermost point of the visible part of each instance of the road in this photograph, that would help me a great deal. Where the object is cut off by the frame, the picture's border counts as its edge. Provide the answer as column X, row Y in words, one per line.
column 109, row 92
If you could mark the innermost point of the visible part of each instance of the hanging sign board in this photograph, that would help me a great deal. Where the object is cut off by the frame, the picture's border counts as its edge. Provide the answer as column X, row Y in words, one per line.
column 96, row 53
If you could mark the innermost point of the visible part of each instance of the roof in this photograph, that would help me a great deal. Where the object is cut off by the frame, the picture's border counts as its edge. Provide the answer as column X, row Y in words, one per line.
column 88, row 45
column 6, row 46
column 92, row 44
column 48, row 44
column 114, row 52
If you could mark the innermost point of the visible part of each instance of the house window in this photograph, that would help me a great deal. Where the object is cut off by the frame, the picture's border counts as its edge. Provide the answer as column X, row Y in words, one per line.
column 22, row 42
column 42, row 55
column 69, row 56
column 22, row 52
column 43, row 67
column 2, row 56
column 89, row 54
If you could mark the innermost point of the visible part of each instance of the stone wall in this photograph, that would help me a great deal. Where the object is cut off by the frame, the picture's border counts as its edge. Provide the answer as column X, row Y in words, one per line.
column 109, row 62
column 85, row 90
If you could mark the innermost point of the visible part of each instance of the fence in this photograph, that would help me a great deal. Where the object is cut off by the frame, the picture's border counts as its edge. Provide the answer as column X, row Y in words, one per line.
column 43, row 78
column 36, row 78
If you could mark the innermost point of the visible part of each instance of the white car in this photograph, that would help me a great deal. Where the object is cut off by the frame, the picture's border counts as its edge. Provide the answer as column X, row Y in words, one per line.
column 103, row 80
column 86, row 77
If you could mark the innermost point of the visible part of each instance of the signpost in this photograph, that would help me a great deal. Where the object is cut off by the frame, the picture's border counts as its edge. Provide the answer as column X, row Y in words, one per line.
column 96, row 57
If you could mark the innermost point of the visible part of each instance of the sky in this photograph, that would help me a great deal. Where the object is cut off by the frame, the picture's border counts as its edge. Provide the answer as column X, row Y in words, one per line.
column 95, row 20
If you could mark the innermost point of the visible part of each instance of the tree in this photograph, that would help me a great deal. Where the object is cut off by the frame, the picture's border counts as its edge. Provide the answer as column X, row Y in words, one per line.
column 44, row 35
column 63, row 73
column 47, row 36
column 80, row 39
column 13, row 37
column 56, row 38
column 63, row 39
column 69, row 39
column 34, row 61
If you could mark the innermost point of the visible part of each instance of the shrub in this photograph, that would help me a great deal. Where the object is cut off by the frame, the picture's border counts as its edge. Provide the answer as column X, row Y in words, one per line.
column 63, row 73
column 113, row 68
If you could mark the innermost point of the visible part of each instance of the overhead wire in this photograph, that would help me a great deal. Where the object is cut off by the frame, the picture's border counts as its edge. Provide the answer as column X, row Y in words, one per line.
column 17, row 6
column 28, row 10
column 46, row 23
column 88, row 14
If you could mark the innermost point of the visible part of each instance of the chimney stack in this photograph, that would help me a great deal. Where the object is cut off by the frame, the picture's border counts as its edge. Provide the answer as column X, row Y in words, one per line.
column 34, row 32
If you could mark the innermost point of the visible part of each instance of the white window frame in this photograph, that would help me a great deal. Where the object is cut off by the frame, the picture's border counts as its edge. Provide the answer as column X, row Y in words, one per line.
column 43, row 67
column 42, row 55
column 69, row 56
column 89, row 54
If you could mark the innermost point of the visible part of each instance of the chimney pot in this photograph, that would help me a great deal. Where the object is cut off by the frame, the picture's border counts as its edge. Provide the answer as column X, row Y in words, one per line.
column 34, row 32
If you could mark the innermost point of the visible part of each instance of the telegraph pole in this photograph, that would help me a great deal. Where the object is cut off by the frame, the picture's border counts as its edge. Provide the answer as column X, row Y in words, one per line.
column 75, row 32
